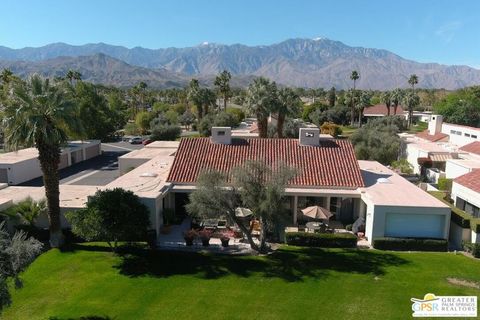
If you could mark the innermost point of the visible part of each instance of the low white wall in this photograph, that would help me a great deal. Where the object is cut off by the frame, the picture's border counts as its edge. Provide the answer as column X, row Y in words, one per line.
column 458, row 235
column 454, row 170
column 465, row 193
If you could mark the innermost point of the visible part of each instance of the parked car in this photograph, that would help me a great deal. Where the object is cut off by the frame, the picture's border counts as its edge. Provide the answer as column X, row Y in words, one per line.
column 136, row 140
column 146, row 141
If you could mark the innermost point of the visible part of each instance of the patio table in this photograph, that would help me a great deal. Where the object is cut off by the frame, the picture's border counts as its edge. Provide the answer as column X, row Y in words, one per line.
column 314, row 225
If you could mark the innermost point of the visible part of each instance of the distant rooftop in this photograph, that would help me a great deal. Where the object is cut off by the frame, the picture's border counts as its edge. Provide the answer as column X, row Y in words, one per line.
column 432, row 137
column 381, row 110
column 470, row 180
column 473, row 147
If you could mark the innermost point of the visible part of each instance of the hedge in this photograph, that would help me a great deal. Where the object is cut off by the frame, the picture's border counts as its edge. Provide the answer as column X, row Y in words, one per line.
column 325, row 240
column 410, row 244
column 473, row 248
column 459, row 216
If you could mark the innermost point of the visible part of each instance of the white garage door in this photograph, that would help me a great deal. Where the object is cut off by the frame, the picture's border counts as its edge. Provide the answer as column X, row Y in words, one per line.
column 414, row 225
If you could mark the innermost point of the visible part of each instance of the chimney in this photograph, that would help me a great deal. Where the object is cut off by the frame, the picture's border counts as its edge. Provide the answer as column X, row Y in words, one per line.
column 221, row 135
column 309, row 137
column 435, row 124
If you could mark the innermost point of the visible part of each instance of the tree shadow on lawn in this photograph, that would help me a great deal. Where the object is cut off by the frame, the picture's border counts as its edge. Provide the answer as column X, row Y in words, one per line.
column 289, row 265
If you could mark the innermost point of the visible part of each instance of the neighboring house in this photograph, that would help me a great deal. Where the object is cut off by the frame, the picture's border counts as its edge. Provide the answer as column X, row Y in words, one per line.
column 466, row 196
column 469, row 159
column 23, row 165
column 380, row 110
column 451, row 149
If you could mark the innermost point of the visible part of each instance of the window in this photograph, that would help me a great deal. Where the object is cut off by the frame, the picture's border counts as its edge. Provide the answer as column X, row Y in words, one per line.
column 467, row 135
column 474, row 136
column 459, row 133
column 452, row 131
column 221, row 133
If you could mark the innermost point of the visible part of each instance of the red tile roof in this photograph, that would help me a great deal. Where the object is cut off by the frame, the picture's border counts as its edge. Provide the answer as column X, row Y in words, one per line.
column 381, row 109
column 470, row 180
column 473, row 147
column 332, row 164
column 433, row 138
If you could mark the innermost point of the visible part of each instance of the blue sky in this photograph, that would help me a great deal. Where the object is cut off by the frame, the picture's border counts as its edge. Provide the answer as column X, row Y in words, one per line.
column 424, row 30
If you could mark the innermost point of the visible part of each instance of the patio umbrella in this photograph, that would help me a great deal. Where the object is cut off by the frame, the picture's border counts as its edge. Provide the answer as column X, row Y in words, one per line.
column 243, row 212
column 317, row 212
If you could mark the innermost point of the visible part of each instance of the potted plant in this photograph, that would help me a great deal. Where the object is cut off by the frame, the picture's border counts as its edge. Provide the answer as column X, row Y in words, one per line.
column 226, row 236
column 189, row 236
column 225, row 239
column 205, row 236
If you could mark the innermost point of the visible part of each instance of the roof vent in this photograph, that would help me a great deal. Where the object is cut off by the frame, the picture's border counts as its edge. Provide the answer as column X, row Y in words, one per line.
column 309, row 137
column 148, row 175
column 383, row 180
column 221, row 135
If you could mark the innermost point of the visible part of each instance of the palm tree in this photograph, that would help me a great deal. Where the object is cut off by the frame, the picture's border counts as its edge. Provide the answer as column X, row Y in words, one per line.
column 27, row 211
column 289, row 104
column 222, row 82
column 261, row 100
column 195, row 97
column 40, row 115
column 413, row 80
column 353, row 76
column 387, row 99
column 396, row 98
column 362, row 103
column 411, row 100
column 208, row 99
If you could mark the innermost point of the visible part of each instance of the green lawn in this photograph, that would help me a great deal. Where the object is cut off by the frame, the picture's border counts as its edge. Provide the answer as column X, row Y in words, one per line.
column 292, row 283
column 419, row 127
column 347, row 131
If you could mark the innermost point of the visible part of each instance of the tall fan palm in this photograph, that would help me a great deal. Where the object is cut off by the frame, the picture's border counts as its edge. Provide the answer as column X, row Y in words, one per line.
column 387, row 99
column 362, row 103
column 396, row 98
column 411, row 100
column 353, row 76
column 40, row 115
column 289, row 104
column 222, row 82
column 261, row 99
column 413, row 80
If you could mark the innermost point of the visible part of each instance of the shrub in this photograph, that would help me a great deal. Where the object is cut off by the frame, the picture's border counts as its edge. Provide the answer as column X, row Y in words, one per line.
column 331, row 129
column 131, row 129
column 445, row 184
column 473, row 248
column 237, row 113
column 458, row 216
column 111, row 216
column 325, row 240
column 410, row 244
column 166, row 133
column 403, row 165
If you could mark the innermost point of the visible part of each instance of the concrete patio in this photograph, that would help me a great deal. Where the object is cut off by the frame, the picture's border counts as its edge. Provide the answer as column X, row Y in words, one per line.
column 174, row 241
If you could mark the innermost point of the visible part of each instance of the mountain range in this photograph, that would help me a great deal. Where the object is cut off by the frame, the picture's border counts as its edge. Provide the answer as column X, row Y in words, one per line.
column 295, row 62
